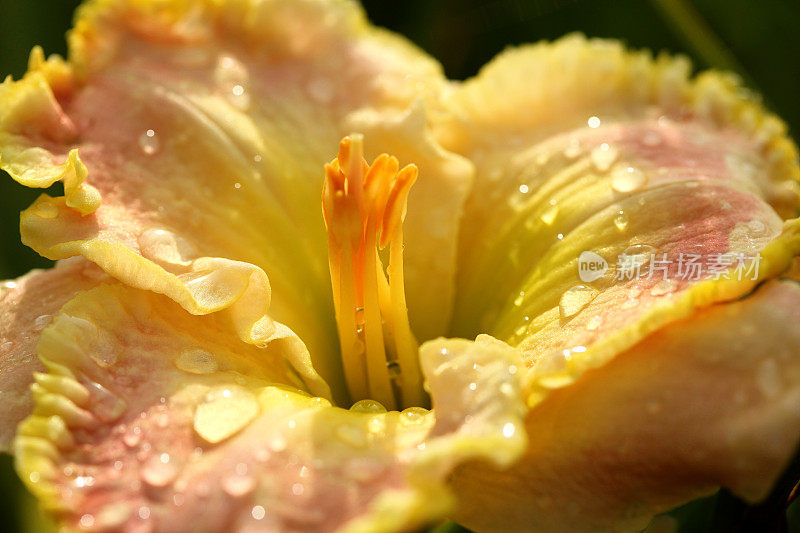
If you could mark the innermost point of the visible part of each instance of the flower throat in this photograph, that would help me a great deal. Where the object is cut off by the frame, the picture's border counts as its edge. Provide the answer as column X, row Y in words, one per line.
column 364, row 207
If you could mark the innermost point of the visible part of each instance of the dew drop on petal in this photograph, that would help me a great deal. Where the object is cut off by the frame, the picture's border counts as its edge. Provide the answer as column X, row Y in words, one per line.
column 149, row 143
column 548, row 216
column 225, row 411
column 413, row 415
column 509, row 429
column 298, row 489
column 575, row 299
column 621, row 220
column 238, row 485
column 593, row 122
column 604, row 156
column 87, row 520
column 368, row 406
column 157, row 472
column 595, row 322
column 42, row 321
column 665, row 286
column 627, row 179
column 196, row 361
column 144, row 512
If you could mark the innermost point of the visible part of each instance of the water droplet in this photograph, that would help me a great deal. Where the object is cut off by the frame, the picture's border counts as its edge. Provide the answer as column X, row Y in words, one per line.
column 87, row 520
column 595, row 322
column 158, row 472
column 133, row 437
column 768, row 378
column 638, row 254
column 321, row 90
column 298, row 489
column 575, row 299
column 523, row 189
column 621, row 220
column 196, row 361
column 509, row 429
column 144, row 512
column 757, row 226
column 548, row 216
column 627, row 179
column 593, row 122
column 519, row 299
column 118, row 465
column 106, row 405
column 231, row 77
column 149, row 143
column 258, row 512
column 604, row 156
column 413, row 415
column 238, row 485
column 42, row 321
column 225, row 411
column 368, row 406
column 665, row 286
column 35, row 477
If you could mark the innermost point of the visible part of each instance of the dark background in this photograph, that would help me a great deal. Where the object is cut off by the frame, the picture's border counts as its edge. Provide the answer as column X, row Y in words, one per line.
column 759, row 40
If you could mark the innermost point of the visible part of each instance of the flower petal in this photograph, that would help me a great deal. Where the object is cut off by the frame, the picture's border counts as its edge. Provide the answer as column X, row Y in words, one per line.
column 693, row 407
column 614, row 155
column 221, row 437
column 27, row 305
column 204, row 126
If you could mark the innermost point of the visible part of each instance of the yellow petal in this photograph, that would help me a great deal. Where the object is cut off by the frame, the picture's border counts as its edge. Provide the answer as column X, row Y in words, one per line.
column 206, row 126
column 27, row 306
column 707, row 402
column 218, row 436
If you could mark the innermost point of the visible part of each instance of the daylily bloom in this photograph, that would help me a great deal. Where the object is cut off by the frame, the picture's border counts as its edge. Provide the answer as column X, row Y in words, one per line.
column 259, row 322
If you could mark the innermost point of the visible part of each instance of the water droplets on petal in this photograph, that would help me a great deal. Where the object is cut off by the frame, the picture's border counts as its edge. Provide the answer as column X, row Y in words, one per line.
column 575, row 299
column 604, row 156
column 149, row 143
column 196, row 361
column 159, row 471
column 225, row 411
column 368, row 406
column 258, row 512
column 621, row 220
column 627, row 179
column 548, row 216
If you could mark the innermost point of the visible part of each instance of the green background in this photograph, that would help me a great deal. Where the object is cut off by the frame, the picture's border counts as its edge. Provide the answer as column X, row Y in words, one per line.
column 758, row 40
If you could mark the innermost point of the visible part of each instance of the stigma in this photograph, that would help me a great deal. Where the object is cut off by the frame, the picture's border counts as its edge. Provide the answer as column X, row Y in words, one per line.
column 364, row 206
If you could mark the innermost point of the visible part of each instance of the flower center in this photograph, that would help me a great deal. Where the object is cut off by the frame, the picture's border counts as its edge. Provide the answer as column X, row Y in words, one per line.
column 364, row 207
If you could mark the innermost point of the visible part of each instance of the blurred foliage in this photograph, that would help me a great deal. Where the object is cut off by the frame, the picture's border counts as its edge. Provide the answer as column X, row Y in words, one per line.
column 758, row 40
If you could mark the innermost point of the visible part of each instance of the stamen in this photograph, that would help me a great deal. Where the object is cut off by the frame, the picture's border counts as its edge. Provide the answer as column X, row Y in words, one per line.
column 364, row 207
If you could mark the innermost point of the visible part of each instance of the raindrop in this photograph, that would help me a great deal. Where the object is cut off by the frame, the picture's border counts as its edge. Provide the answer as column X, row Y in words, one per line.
column 595, row 322
column 575, row 299
column 159, row 471
column 149, row 143
column 107, row 406
column 196, row 361
column 413, row 415
column 665, row 286
column 621, row 220
column 225, row 411
column 238, row 485
column 627, row 179
column 368, row 406
column 42, row 321
column 604, row 156
column 548, row 216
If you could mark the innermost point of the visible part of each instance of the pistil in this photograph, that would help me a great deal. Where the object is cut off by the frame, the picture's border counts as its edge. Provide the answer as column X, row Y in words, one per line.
column 364, row 207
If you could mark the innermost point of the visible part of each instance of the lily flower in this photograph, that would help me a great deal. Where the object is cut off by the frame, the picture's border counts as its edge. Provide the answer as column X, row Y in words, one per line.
column 306, row 283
